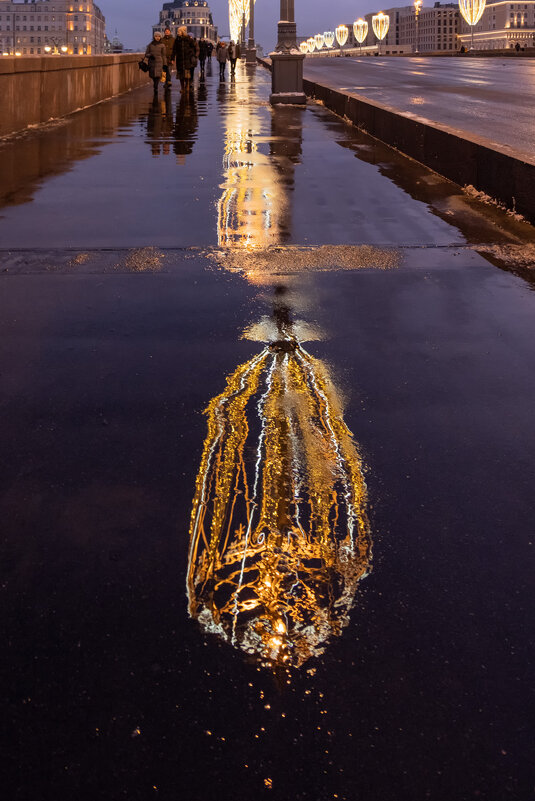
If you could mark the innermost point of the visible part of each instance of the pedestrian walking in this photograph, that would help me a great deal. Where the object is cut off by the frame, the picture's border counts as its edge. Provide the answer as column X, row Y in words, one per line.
column 203, row 53
column 156, row 58
column 183, row 52
column 234, row 54
column 168, row 41
column 222, row 55
column 210, row 48
column 194, row 57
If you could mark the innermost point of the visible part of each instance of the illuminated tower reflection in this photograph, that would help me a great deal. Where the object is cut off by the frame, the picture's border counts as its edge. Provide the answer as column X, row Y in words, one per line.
column 279, row 537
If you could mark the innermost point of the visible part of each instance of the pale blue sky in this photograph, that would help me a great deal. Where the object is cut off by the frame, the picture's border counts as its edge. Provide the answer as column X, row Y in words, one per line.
column 134, row 18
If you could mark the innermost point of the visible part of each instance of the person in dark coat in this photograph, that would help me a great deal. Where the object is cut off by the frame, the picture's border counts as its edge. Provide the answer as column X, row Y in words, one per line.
column 234, row 53
column 203, row 53
column 168, row 41
column 156, row 58
column 210, row 48
column 183, row 53
column 195, row 57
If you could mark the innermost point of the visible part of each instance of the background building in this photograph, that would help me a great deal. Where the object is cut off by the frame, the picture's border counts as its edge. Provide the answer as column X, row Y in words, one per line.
column 76, row 28
column 438, row 27
column 502, row 26
column 194, row 14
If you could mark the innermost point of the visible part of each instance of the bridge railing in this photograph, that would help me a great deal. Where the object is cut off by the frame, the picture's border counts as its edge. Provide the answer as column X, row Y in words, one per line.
column 35, row 90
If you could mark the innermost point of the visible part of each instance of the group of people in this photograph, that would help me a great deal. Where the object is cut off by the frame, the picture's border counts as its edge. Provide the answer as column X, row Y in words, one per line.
column 184, row 50
column 187, row 53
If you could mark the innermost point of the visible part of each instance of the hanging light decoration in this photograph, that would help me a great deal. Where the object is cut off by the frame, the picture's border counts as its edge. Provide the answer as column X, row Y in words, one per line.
column 360, row 30
column 238, row 13
column 472, row 11
column 311, row 44
column 380, row 25
column 342, row 32
column 328, row 38
column 319, row 40
column 303, row 47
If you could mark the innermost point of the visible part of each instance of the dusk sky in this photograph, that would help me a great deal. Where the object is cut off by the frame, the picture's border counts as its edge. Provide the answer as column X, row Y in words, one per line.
column 134, row 19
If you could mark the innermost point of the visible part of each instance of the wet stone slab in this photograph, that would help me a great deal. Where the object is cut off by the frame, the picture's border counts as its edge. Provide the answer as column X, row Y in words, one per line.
column 267, row 463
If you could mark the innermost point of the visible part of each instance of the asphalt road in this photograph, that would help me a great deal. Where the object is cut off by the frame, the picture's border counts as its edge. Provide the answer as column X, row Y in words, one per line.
column 489, row 98
column 208, row 308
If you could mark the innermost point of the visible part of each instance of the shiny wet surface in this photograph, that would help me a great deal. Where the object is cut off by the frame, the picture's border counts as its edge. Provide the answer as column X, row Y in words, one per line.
column 489, row 98
column 319, row 588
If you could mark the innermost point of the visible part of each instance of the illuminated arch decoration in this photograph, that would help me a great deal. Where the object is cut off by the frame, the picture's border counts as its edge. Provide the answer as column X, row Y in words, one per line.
column 311, row 44
column 328, row 38
column 342, row 32
column 360, row 30
column 279, row 537
column 237, row 9
column 380, row 25
column 303, row 47
column 319, row 41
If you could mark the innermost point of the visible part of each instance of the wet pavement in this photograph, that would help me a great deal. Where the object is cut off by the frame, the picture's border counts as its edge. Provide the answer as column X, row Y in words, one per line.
column 267, row 474
column 488, row 98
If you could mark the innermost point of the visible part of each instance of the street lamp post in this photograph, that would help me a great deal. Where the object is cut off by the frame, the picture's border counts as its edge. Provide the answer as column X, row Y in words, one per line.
column 472, row 11
column 287, row 60
column 251, row 49
column 417, row 9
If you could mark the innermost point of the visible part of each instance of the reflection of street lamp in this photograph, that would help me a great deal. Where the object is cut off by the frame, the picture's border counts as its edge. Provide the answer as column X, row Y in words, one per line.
column 472, row 11
column 380, row 25
column 360, row 31
column 328, row 38
column 417, row 9
column 342, row 33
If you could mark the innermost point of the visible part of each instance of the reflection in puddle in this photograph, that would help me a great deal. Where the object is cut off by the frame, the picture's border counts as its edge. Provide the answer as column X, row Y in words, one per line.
column 279, row 537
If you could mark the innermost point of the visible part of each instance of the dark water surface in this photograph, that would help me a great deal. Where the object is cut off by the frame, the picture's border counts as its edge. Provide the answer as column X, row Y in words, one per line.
column 397, row 662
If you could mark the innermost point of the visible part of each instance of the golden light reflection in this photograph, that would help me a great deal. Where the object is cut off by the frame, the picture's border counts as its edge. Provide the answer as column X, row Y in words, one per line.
column 279, row 537
column 253, row 208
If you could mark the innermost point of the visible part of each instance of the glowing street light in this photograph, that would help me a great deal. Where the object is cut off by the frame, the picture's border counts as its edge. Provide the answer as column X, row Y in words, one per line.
column 360, row 31
column 319, row 40
column 328, row 38
column 472, row 11
column 311, row 44
column 303, row 47
column 342, row 33
column 380, row 25
column 417, row 9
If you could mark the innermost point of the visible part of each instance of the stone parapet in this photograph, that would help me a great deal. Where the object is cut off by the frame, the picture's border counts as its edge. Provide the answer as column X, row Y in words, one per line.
column 35, row 90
